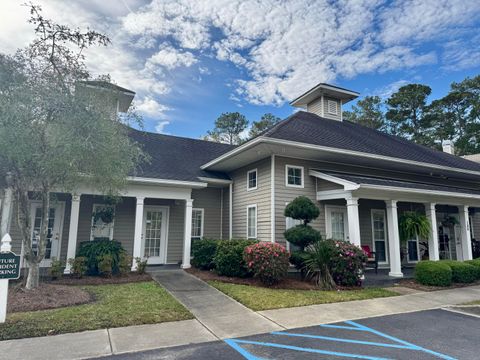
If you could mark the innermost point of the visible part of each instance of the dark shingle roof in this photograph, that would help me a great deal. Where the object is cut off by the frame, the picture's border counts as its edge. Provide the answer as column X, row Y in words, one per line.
column 312, row 129
column 177, row 158
column 370, row 180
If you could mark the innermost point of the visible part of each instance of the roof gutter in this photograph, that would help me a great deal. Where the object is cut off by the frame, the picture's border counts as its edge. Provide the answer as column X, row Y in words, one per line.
column 166, row 182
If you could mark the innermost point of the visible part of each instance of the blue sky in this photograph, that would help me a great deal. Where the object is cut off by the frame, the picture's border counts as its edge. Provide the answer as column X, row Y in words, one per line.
column 191, row 60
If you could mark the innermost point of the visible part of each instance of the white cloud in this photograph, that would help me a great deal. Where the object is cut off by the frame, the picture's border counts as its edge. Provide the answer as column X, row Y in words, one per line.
column 170, row 58
column 151, row 107
column 160, row 127
column 385, row 91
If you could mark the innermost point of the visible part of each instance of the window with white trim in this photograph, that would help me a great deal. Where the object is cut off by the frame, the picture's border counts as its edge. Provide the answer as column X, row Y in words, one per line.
column 102, row 221
column 294, row 176
column 252, row 179
column 197, row 223
column 332, row 107
column 252, row 221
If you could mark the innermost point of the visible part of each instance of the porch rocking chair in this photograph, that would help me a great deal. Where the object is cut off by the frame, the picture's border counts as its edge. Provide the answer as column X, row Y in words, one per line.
column 371, row 257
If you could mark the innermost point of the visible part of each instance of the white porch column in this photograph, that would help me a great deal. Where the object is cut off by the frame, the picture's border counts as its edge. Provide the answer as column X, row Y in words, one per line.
column 353, row 221
column 6, row 211
column 73, row 230
column 393, row 239
column 230, row 211
column 465, row 233
column 187, row 240
column 137, row 237
column 433, row 249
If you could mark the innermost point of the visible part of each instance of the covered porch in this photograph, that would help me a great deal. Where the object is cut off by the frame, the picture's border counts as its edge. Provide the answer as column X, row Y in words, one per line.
column 365, row 211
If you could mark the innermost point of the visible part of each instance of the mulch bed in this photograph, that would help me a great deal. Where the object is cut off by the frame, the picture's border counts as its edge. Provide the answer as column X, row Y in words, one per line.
column 289, row 283
column 46, row 296
column 411, row 283
column 99, row 280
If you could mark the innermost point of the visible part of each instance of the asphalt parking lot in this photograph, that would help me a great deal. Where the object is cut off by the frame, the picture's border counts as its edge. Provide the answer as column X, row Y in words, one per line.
column 432, row 334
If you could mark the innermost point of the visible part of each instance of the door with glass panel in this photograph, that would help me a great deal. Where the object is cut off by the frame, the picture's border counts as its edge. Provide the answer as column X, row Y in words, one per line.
column 336, row 223
column 55, row 219
column 379, row 235
column 154, row 246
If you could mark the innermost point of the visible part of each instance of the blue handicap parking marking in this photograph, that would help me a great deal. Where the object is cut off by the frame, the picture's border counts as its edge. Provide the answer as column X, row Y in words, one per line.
column 325, row 342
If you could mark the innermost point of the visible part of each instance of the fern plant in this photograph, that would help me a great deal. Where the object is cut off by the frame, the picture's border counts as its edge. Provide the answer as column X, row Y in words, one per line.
column 412, row 224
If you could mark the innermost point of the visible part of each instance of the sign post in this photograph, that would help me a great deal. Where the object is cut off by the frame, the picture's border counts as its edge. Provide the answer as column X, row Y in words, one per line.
column 9, row 269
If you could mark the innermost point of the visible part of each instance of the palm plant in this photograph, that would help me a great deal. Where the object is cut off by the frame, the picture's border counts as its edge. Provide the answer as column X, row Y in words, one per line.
column 316, row 260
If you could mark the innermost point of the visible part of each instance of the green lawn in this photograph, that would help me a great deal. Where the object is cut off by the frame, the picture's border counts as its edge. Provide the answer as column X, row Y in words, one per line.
column 476, row 302
column 259, row 298
column 116, row 305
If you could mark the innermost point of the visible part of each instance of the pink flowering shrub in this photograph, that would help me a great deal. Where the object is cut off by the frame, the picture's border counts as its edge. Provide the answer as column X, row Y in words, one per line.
column 346, row 263
column 267, row 261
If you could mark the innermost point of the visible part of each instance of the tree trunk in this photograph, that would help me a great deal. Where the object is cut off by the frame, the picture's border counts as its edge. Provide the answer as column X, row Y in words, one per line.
column 33, row 277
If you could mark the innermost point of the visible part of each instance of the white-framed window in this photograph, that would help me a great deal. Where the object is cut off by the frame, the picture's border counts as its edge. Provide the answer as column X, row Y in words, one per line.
column 379, row 235
column 294, row 176
column 252, row 221
column 336, row 222
column 252, row 179
column 332, row 107
column 102, row 226
column 197, row 223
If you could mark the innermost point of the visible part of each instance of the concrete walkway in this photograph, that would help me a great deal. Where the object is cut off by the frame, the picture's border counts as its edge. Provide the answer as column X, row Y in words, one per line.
column 221, row 315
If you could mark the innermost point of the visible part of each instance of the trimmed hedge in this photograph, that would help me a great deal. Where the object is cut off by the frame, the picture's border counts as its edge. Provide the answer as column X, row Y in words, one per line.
column 461, row 272
column 433, row 273
column 93, row 251
column 229, row 260
column 476, row 263
column 203, row 252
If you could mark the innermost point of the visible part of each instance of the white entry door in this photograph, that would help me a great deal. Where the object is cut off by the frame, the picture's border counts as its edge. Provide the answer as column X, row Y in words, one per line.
column 155, row 223
column 54, row 234
column 336, row 222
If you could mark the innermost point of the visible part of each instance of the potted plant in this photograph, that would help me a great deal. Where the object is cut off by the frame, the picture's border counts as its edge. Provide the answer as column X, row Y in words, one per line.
column 104, row 213
column 413, row 225
column 449, row 220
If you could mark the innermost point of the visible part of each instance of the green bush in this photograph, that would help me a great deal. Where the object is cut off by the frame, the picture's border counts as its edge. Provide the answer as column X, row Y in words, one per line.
column 302, row 235
column 141, row 265
column 203, row 252
column 228, row 258
column 267, row 261
column 476, row 263
column 346, row 263
column 105, row 265
column 433, row 273
column 461, row 272
column 56, row 269
column 125, row 263
column 95, row 249
column 78, row 266
column 297, row 259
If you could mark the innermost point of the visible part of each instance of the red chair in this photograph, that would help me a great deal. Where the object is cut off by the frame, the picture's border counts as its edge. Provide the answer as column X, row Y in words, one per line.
column 371, row 257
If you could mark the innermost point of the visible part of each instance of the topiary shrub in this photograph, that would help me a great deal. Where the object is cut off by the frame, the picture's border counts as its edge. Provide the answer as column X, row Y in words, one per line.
column 476, row 263
column 304, row 209
column 461, row 272
column 228, row 258
column 267, row 261
column 433, row 273
column 95, row 249
column 203, row 252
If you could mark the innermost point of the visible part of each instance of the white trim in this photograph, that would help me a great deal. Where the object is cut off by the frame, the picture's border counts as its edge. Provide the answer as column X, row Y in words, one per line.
column 253, row 206
column 354, row 94
column 420, row 191
column 256, row 179
column 221, row 214
column 142, row 180
column 301, row 145
column 272, row 198
column 380, row 211
column 348, row 185
column 112, row 224
column 322, row 99
column 215, row 181
column 333, row 194
column 328, row 220
column 302, row 177
column 230, row 212
column 341, row 109
column 202, row 210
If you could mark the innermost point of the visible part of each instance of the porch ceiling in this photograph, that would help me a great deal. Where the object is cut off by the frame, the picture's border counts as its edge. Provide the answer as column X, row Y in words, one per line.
column 401, row 190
